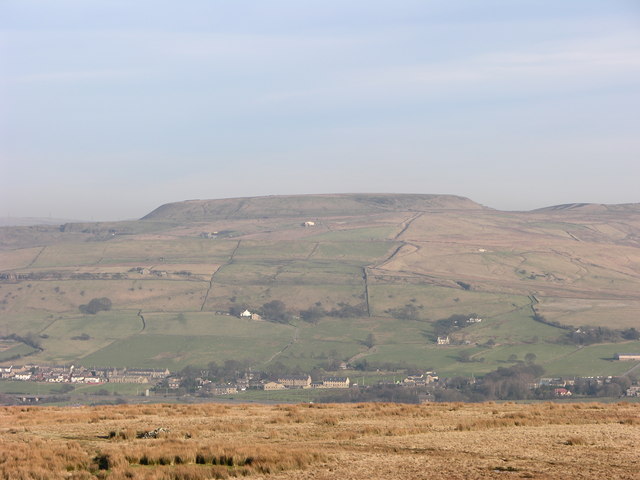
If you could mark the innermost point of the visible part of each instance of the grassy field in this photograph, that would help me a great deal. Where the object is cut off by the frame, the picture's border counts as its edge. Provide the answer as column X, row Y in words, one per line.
column 17, row 350
column 357, row 234
column 440, row 302
column 594, row 360
column 227, row 338
column 68, row 339
column 374, row 441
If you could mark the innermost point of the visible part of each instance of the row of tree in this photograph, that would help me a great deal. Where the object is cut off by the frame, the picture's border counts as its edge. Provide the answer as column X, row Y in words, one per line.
column 588, row 335
column 277, row 311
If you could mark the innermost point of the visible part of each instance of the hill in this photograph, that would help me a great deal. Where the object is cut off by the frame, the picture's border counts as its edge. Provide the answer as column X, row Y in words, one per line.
column 372, row 280
column 305, row 205
column 592, row 208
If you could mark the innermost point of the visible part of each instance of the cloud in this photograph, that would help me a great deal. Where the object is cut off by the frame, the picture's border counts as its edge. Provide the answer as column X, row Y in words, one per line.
column 552, row 66
column 77, row 76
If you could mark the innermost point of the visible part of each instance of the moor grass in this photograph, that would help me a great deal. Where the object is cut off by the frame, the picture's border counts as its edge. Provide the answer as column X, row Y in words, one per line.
column 321, row 441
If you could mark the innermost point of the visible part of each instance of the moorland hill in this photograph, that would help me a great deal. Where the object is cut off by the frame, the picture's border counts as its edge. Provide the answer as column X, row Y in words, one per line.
column 306, row 205
column 372, row 278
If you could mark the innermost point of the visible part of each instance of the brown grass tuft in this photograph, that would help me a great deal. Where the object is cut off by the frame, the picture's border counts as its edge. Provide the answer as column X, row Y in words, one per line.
column 575, row 441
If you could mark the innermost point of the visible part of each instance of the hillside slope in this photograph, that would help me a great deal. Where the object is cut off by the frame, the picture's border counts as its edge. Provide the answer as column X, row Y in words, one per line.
column 372, row 280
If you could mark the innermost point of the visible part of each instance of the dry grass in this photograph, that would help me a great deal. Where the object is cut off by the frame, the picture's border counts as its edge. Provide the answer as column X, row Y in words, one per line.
column 320, row 441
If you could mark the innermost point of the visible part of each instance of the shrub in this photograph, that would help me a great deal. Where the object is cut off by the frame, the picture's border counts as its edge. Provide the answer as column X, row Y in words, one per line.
column 96, row 305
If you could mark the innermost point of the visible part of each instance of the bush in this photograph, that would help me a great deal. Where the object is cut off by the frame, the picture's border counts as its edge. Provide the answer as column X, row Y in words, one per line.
column 96, row 305
column 84, row 336
column 275, row 311
column 408, row 312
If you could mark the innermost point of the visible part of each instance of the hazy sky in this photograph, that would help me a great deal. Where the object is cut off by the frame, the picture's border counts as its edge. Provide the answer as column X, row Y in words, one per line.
column 109, row 108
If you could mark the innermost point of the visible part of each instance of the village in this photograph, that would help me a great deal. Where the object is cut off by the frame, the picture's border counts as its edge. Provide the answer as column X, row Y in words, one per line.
column 427, row 385
column 162, row 380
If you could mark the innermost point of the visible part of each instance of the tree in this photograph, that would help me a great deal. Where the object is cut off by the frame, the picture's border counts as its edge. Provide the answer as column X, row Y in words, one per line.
column 313, row 314
column 96, row 305
column 276, row 311
column 464, row 356
column 370, row 341
column 408, row 312
column 512, row 358
column 530, row 358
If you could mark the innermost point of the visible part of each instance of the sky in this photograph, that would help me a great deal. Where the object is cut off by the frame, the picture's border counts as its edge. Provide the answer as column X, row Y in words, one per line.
column 110, row 108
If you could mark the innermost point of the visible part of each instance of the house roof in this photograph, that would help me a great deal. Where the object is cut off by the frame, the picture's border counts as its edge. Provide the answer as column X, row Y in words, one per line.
column 294, row 377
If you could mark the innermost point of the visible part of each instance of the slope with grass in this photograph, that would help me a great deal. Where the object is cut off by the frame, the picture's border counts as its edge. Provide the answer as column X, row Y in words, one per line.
column 380, row 264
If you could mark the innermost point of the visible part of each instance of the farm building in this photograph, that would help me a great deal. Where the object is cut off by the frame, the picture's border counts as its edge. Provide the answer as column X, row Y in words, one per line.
column 222, row 389
column 273, row 386
column 561, row 392
column 628, row 356
column 336, row 382
column 295, row 381
column 633, row 391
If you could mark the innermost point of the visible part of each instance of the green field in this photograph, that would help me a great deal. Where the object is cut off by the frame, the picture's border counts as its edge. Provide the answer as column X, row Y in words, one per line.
column 12, row 354
column 175, row 351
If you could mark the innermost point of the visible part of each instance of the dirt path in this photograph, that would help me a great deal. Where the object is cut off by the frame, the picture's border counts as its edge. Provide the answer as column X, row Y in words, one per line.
column 230, row 261
column 313, row 251
column 366, row 290
column 403, row 246
column 632, row 369
column 403, row 249
column 360, row 355
column 294, row 339
column 365, row 274
column 206, row 296
column 35, row 259
column 573, row 236
column 407, row 224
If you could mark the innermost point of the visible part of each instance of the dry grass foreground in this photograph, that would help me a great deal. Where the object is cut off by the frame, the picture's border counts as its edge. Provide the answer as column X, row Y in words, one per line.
column 362, row 441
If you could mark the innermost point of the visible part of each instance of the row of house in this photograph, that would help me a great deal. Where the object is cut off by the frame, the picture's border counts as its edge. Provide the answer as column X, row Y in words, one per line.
column 304, row 381
column 282, row 383
column 73, row 374
column 420, row 380
column 633, row 391
column 562, row 385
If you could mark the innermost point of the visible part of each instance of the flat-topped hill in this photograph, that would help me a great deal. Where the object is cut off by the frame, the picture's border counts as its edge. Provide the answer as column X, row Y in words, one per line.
column 306, row 205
